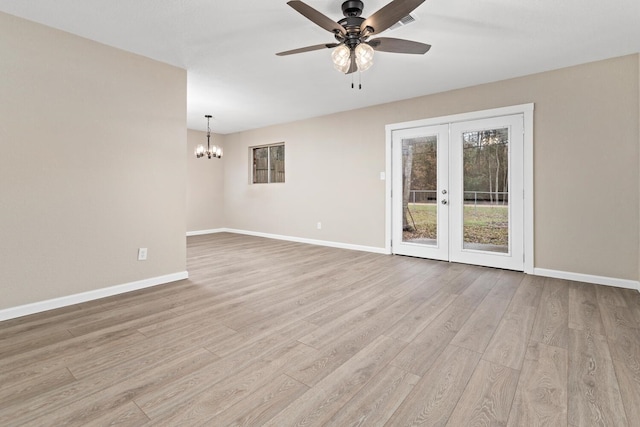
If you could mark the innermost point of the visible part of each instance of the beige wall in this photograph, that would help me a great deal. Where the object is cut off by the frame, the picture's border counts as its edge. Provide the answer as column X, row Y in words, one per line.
column 92, row 165
column 586, row 155
column 205, row 178
column 332, row 176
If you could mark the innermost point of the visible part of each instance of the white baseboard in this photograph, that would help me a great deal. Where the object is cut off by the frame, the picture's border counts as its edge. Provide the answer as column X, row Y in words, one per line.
column 588, row 278
column 38, row 307
column 309, row 241
column 202, row 232
column 578, row 277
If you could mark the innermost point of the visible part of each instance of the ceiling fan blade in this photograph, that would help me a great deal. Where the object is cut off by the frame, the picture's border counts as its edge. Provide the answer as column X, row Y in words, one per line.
column 317, row 17
column 308, row 49
column 388, row 44
column 389, row 15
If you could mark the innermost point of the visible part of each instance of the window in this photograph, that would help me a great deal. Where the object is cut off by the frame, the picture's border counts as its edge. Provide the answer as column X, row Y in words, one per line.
column 268, row 164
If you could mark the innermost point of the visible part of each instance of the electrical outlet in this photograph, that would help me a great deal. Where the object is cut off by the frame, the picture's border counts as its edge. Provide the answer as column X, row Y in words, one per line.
column 319, row 226
column 142, row 254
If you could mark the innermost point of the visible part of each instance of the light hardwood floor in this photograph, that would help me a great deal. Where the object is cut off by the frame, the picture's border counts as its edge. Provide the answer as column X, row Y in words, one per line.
column 275, row 333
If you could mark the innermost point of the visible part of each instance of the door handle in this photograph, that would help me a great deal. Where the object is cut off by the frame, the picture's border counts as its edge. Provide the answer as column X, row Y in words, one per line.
column 444, row 201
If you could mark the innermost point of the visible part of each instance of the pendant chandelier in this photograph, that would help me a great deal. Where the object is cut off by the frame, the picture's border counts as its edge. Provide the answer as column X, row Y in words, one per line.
column 212, row 151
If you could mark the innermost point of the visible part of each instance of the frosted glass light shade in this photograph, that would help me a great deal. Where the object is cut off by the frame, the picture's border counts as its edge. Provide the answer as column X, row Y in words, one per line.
column 341, row 57
column 364, row 56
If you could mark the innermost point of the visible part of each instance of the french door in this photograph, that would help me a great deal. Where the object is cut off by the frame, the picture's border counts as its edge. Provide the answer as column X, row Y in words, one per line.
column 457, row 192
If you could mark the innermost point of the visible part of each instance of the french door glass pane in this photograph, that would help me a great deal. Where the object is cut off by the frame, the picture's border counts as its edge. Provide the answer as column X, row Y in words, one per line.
column 419, row 195
column 486, row 190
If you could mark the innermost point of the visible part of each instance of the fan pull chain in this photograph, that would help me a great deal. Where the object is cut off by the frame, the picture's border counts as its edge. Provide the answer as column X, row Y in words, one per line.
column 353, row 83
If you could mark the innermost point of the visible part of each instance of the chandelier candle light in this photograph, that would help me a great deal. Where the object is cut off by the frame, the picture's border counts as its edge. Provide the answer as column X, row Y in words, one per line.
column 212, row 151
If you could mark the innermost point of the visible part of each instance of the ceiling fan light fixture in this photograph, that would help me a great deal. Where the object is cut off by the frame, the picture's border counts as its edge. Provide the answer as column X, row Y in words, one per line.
column 341, row 57
column 354, row 50
column 364, row 56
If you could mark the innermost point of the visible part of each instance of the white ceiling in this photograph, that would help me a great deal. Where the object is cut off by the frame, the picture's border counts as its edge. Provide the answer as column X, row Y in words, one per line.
column 228, row 48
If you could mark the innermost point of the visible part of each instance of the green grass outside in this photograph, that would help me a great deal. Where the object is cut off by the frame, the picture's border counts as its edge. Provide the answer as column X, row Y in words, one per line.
column 482, row 224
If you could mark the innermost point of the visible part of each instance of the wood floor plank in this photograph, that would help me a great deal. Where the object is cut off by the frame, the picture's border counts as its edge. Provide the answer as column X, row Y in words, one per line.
column 162, row 402
column 18, row 345
column 325, row 334
column 432, row 400
column 509, row 343
column 487, row 398
column 92, row 397
column 410, row 326
column 632, row 299
column 507, row 285
column 416, row 283
column 478, row 330
column 552, row 321
column 625, row 352
column 459, row 279
column 618, row 320
column 120, row 315
column 146, row 352
column 477, row 290
column 260, row 335
column 623, row 337
column 378, row 399
column 399, row 340
column 321, row 402
column 40, row 321
column 594, row 394
column 34, row 386
column 338, row 351
column 113, row 402
column 212, row 399
column 419, row 355
column 127, row 415
column 609, row 295
column 529, row 292
column 541, row 396
column 584, row 313
column 261, row 405
column 63, row 354
column 392, row 314
column 350, row 300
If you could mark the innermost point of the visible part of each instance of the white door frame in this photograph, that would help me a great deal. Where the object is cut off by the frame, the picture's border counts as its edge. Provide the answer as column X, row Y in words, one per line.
column 527, row 111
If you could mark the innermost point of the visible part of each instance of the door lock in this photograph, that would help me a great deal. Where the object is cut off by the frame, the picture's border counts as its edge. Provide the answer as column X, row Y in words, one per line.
column 444, row 201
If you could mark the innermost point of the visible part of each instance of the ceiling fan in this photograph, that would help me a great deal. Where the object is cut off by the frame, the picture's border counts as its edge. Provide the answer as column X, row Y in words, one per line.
column 354, row 50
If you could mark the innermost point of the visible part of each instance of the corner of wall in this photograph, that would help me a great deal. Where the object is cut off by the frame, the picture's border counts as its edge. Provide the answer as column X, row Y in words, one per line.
column 205, row 186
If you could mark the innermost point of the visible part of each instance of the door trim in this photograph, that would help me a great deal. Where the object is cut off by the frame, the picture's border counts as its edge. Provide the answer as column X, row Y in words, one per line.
column 527, row 111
